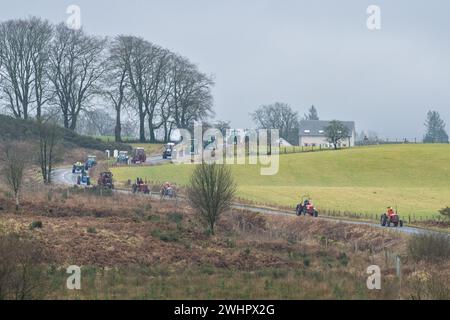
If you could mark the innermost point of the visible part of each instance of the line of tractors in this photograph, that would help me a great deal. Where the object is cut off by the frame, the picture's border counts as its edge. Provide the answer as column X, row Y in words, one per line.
column 105, row 179
column 83, row 177
column 387, row 219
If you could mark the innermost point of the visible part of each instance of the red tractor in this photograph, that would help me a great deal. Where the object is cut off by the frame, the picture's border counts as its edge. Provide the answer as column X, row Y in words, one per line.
column 105, row 180
column 140, row 187
column 391, row 217
column 306, row 207
column 139, row 156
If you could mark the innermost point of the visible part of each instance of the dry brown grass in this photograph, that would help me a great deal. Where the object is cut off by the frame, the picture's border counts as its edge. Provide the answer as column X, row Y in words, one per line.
column 285, row 257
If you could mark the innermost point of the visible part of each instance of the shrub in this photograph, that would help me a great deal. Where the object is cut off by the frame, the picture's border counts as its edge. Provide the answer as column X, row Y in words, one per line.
column 445, row 212
column 432, row 247
column 21, row 271
column 175, row 217
column 91, row 230
column 36, row 225
column 166, row 236
column 211, row 191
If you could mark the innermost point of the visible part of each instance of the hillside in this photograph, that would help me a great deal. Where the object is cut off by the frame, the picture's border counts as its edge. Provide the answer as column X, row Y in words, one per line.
column 18, row 129
column 366, row 179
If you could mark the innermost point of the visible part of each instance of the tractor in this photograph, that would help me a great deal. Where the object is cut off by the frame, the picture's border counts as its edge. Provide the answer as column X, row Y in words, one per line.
column 105, row 180
column 122, row 157
column 90, row 162
column 168, row 150
column 138, row 156
column 140, row 187
column 84, row 179
column 168, row 191
column 391, row 217
column 77, row 167
column 306, row 207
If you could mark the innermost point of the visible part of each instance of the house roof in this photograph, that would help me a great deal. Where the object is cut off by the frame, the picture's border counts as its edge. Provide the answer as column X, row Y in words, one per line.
column 317, row 127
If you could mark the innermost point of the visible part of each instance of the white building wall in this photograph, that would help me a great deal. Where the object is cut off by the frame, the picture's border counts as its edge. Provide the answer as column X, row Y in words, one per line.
column 317, row 141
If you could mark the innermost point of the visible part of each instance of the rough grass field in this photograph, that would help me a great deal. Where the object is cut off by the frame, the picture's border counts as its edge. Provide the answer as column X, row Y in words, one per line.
column 132, row 247
column 415, row 178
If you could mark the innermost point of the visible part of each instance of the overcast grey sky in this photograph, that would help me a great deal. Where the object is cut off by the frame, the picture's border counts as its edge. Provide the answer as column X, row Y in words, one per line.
column 301, row 52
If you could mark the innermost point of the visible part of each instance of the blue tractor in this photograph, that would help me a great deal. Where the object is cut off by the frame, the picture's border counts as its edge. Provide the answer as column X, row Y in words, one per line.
column 77, row 167
column 122, row 157
column 84, row 179
column 90, row 162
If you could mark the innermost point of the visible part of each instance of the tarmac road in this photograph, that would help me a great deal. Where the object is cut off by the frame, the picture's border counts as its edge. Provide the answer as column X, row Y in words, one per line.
column 64, row 176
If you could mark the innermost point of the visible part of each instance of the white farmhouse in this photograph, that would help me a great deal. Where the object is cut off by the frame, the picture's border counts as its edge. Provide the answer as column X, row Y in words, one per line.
column 312, row 133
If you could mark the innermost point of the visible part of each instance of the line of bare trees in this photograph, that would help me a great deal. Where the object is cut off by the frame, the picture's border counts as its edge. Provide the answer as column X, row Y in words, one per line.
column 69, row 74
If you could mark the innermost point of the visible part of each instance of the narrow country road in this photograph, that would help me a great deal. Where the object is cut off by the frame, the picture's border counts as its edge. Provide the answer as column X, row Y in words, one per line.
column 64, row 176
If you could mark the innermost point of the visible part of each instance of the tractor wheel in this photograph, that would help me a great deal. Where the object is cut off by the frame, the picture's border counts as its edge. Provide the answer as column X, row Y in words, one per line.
column 383, row 220
column 73, row 170
column 401, row 223
column 316, row 213
column 88, row 181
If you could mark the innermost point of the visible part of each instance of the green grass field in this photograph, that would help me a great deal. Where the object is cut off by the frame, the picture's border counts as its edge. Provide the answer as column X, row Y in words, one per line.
column 150, row 148
column 416, row 178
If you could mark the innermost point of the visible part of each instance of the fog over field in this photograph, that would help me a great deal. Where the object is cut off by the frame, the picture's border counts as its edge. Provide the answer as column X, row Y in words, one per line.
column 298, row 52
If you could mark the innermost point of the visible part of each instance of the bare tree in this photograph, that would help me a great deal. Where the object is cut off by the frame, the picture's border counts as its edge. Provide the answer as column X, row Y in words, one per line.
column 137, row 63
column 211, row 192
column 14, row 158
column 49, row 136
column 191, row 97
column 116, row 81
column 76, row 66
column 277, row 116
column 24, row 56
column 43, row 34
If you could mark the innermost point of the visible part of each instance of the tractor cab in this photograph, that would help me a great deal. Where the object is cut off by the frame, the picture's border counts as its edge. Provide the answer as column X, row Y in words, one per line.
column 84, row 179
column 123, row 157
column 168, row 150
column 139, row 156
column 106, row 180
column 77, row 167
column 90, row 162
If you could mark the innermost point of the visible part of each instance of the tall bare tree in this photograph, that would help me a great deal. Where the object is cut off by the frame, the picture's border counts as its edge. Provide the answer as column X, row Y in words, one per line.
column 191, row 93
column 76, row 66
column 116, row 88
column 137, row 63
column 49, row 136
column 24, row 56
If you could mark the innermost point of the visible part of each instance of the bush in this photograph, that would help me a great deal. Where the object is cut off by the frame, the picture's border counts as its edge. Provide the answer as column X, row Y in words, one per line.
column 21, row 271
column 36, row 225
column 431, row 247
column 175, row 217
column 166, row 236
column 91, row 230
column 211, row 191
column 445, row 212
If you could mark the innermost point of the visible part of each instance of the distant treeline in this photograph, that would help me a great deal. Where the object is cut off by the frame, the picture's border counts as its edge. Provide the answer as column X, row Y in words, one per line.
column 54, row 71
